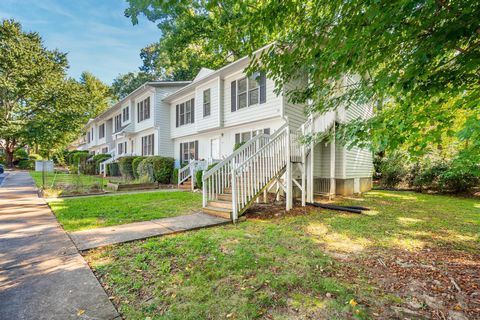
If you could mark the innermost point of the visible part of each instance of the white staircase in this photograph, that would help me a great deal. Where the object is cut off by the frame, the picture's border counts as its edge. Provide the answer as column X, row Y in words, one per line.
column 265, row 161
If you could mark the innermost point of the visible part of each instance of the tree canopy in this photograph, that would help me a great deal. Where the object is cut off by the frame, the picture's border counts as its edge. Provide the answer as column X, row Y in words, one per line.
column 418, row 60
column 124, row 84
column 39, row 105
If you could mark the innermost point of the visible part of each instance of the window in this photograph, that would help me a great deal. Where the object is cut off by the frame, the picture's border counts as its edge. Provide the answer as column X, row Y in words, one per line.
column 126, row 114
column 122, row 147
column 147, row 145
column 188, row 151
column 185, row 113
column 118, row 123
column 105, row 150
column 206, row 103
column 243, row 137
column 248, row 91
column 92, row 130
column 143, row 110
column 88, row 136
column 101, row 131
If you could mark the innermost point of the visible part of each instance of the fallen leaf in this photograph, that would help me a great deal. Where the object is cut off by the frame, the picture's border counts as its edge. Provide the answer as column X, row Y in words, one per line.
column 80, row 312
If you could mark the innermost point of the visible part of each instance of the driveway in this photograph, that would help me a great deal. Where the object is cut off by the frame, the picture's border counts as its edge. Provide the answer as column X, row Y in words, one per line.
column 42, row 275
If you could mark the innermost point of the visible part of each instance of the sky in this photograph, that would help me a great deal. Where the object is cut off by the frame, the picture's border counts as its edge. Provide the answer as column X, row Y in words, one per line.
column 95, row 33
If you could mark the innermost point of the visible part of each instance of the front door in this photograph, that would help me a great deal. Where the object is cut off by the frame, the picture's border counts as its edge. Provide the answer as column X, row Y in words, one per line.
column 215, row 148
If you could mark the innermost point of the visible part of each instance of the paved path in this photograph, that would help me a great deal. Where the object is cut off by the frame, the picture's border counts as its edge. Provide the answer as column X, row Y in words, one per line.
column 93, row 238
column 42, row 275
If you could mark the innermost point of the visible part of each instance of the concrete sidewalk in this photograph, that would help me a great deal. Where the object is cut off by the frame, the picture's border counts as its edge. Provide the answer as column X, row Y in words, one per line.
column 42, row 275
column 93, row 238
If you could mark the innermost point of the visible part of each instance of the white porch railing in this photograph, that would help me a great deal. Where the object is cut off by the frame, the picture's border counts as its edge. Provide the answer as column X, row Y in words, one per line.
column 189, row 171
column 254, row 174
column 219, row 177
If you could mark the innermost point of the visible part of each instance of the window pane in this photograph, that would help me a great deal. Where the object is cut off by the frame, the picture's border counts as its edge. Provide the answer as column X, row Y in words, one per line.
column 242, row 100
column 242, row 85
column 253, row 81
column 253, row 97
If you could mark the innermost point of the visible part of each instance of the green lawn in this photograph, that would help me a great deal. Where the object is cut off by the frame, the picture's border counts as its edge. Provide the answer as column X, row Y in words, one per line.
column 57, row 184
column 287, row 267
column 101, row 211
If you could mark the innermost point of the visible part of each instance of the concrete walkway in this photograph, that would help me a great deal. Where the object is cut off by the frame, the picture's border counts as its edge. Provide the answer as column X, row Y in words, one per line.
column 42, row 275
column 93, row 238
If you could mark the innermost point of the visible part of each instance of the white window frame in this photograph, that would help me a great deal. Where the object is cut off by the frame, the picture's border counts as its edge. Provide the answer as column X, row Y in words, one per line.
column 143, row 109
column 101, row 131
column 207, row 111
column 126, row 114
column 148, row 143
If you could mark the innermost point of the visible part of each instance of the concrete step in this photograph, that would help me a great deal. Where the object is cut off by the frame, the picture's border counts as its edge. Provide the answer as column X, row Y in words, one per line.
column 221, row 204
column 218, row 212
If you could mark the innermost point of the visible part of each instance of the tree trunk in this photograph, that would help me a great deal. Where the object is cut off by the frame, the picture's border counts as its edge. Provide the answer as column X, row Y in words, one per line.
column 9, row 157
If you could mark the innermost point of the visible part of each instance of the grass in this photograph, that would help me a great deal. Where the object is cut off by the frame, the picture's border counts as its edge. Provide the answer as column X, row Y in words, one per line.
column 280, row 268
column 102, row 211
column 57, row 184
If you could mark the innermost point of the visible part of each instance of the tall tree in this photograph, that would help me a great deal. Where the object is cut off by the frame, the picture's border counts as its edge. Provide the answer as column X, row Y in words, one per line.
column 124, row 84
column 196, row 34
column 98, row 95
column 38, row 104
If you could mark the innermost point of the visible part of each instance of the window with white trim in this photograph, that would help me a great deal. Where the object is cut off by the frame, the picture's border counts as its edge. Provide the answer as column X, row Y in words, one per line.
column 188, row 151
column 105, row 150
column 147, row 145
column 206, row 103
column 122, row 147
column 101, row 131
column 143, row 110
column 126, row 114
column 185, row 113
column 248, row 91
column 118, row 123
column 243, row 137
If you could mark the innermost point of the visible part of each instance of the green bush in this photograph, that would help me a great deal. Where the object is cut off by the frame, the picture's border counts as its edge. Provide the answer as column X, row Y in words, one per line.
column 393, row 169
column 113, row 169
column 238, row 145
column 34, row 156
column 26, row 164
column 175, row 176
column 126, row 168
column 135, row 164
column 198, row 179
column 156, row 169
column 20, row 154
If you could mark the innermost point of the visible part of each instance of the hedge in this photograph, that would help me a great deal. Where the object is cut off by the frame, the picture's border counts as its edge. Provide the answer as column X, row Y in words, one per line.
column 156, row 169
column 26, row 164
column 126, row 169
column 113, row 169
column 135, row 164
column 198, row 179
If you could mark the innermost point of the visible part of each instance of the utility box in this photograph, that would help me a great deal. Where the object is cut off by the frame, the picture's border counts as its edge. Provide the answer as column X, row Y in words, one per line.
column 41, row 165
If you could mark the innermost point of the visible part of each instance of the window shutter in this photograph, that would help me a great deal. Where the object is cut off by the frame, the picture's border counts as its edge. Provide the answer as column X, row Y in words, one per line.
column 233, row 96
column 196, row 149
column 176, row 115
column 237, row 137
column 263, row 87
column 181, row 153
column 192, row 110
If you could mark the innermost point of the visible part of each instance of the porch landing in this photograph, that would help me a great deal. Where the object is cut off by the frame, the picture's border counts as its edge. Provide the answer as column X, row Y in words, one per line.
column 99, row 237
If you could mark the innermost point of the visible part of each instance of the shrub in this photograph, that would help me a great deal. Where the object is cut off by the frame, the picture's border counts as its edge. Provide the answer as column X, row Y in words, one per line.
column 393, row 169
column 198, row 179
column 427, row 176
column 126, row 169
column 135, row 164
column 156, row 169
column 175, row 176
column 20, row 154
column 113, row 169
column 238, row 145
column 26, row 164
column 34, row 156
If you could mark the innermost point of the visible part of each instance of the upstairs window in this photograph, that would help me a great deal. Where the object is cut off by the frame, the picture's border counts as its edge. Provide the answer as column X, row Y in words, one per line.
column 101, row 131
column 206, row 103
column 147, row 145
column 126, row 114
column 248, row 91
column 143, row 110
column 185, row 113
column 118, row 123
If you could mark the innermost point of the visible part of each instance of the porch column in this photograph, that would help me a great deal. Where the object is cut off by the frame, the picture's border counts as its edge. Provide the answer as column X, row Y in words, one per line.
column 332, row 164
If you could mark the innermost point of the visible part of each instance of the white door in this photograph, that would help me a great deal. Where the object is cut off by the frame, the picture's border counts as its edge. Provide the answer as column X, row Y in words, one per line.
column 215, row 148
